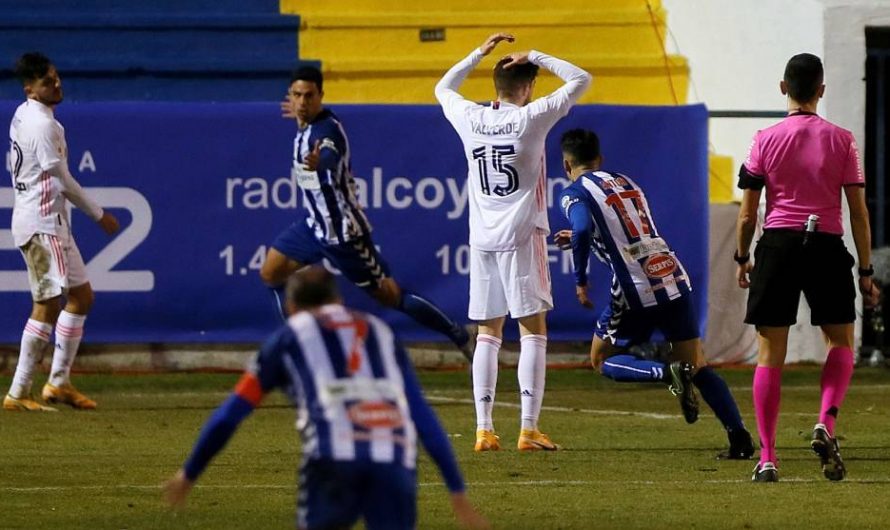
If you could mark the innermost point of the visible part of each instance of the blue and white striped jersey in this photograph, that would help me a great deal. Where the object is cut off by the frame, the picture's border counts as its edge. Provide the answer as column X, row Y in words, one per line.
column 345, row 373
column 610, row 215
column 334, row 213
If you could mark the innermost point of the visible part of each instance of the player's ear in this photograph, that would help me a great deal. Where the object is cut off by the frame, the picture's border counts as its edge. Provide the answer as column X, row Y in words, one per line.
column 599, row 161
column 821, row 91
column 566, row 166
column 783, row 87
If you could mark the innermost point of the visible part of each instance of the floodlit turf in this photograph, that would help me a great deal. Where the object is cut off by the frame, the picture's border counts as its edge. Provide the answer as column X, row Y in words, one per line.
column 630, row 460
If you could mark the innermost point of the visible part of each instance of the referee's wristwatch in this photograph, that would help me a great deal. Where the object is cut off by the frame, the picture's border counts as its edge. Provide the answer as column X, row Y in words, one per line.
column 865, row 273
column 741, row 260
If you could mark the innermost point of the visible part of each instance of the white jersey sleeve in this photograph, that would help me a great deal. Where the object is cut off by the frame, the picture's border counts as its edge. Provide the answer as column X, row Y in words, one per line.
column 453, row 104
column 556, row 105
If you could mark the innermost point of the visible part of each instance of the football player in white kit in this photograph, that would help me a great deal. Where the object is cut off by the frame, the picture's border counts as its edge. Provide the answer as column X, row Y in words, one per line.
column 42, row 231
column 509, row 272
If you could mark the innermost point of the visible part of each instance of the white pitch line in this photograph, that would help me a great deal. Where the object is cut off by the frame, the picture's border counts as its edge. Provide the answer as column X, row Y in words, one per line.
column 604, row 412
column 481, row 484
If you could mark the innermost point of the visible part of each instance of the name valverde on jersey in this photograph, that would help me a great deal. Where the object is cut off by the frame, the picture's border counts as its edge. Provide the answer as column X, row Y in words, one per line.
column 625, row 238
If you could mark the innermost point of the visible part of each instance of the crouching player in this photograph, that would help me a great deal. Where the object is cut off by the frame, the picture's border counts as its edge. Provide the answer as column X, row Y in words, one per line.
column 650, row 288
column 360, row 412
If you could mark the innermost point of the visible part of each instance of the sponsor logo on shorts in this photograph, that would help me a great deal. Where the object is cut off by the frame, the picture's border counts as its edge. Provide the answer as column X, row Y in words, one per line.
column 660, row 266
column 375, row 415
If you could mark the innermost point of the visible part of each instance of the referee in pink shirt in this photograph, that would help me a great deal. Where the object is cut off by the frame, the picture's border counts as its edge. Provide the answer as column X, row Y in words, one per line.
column 805, row 163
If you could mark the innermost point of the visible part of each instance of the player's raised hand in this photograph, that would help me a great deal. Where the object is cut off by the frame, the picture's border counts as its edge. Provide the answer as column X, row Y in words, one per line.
column 109, row 223
column 583, row 299
column 516, row 58
column 310, row 162
column 741, row 274
column 563, row 239
column 493, row 41
column 466, row 514
column 177, row 489
column 288, row 110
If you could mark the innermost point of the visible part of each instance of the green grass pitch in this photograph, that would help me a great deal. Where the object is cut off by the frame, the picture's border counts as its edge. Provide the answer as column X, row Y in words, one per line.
column 629, row 460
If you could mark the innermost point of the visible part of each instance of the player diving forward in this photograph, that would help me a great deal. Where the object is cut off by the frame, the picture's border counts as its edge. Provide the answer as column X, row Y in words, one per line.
column 609, row 215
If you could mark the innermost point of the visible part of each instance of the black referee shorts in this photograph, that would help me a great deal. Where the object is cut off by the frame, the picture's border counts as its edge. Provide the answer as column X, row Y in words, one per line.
column 784, row 267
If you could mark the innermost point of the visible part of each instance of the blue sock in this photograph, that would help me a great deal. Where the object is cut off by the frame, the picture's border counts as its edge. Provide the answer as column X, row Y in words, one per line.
column 280, row 298
column 629, row 368
column 716, row 394
column 430, row 316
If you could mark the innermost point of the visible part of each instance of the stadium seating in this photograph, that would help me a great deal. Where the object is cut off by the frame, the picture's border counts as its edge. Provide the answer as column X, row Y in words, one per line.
column 392, row 51
column 188, row 50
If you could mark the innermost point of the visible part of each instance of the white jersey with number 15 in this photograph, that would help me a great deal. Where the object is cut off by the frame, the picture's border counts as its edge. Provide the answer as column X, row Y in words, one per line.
column 504, row 147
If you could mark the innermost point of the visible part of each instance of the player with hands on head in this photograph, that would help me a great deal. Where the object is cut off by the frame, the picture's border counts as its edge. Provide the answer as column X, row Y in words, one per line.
column 509, row 272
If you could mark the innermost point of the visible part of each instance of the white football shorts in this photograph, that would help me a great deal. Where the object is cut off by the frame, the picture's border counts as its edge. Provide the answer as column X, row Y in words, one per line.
column 54, row 265
column 515, row 281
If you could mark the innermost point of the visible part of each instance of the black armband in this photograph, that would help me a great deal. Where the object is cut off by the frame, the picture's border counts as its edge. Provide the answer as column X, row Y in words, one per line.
column 750, row 181
column 865, row 273
column 741, row 260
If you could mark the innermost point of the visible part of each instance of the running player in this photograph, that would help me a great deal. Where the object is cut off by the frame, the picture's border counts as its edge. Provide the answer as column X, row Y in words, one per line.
column 42, row 231
column 360, row 411
column 335, row 226
column 650, row 288
column 509, row 272
column 805, row 163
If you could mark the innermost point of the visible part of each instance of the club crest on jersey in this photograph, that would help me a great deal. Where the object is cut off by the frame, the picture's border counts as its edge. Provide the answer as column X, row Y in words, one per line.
column 566, row 202
column 660, row 266
column 375, row 415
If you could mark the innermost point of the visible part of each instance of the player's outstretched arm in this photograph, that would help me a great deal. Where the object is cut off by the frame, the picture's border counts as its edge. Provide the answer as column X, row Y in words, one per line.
column 447, row 87
column 216, row 433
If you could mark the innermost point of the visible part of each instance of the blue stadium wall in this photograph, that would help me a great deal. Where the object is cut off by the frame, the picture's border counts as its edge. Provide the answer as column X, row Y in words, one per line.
column 202, row 189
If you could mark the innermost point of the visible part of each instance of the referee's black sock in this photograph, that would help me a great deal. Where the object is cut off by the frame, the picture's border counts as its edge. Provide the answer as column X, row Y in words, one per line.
column 428, row 315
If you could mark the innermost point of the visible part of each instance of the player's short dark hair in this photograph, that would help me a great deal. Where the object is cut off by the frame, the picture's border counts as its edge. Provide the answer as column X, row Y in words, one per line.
column 509, row 80
column 32, row 66
column 803, row 76
column 308, row 73
column 581, row 145
column 312, row 287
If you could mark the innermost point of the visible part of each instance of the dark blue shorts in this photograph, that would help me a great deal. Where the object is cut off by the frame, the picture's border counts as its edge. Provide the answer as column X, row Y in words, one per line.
column 624, row 327
column 358, row 260
column 335, row 495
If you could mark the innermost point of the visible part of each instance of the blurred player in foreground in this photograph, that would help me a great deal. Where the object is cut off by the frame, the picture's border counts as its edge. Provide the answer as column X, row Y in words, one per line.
column 42, row 232
column 609, row 215
column 360, row 412
column 335, row 226
column 509, row 272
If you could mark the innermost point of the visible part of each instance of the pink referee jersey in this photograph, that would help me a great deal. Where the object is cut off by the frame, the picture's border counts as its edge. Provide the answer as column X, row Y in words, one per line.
column 804, row 161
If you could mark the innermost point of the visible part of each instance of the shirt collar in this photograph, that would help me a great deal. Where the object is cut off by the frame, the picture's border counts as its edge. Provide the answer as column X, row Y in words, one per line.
column 40, row 107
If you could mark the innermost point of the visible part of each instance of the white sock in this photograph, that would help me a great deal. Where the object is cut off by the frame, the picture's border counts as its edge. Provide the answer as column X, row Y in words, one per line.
column 34, row 339
column 69, row 331
column 485, row 378
column 532, row 373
